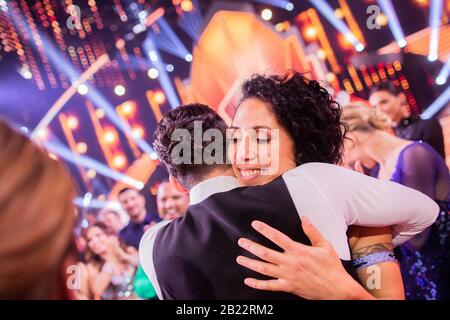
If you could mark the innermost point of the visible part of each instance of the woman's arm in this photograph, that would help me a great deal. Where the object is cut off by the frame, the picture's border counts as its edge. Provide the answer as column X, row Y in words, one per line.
column 311, row 272
column 129, row 256
column 101, row 280
column 381, row 279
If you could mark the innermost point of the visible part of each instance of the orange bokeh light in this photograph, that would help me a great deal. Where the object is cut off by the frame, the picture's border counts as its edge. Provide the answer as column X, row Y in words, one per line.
column 160, row 97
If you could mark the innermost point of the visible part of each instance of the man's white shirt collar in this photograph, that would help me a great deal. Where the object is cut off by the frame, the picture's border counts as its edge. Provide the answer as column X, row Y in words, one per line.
column 212, row 186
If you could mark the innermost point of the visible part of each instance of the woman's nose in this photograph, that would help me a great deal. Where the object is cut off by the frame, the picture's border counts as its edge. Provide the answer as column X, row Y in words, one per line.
column 245, row 150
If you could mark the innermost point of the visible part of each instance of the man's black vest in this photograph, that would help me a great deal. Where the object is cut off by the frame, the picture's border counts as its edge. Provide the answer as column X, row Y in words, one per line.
column 195, row 256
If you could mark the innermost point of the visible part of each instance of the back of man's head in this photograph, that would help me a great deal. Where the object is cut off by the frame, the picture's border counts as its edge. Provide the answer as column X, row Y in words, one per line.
column 191, row 143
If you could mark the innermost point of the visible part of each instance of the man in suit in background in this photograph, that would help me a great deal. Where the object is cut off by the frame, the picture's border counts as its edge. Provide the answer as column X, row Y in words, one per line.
column 392, row 101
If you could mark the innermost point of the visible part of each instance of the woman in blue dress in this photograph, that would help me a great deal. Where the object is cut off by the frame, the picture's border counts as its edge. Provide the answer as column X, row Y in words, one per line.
column 424, row 260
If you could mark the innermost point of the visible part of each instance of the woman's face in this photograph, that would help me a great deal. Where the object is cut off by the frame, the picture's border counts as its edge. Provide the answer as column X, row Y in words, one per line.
column 259, row 149
column 355, row 150
column 97, row 240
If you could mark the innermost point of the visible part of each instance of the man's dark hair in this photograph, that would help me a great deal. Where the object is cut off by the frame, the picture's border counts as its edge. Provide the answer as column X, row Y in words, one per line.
column 306, row 110
column 387, row 86
column 184, row 117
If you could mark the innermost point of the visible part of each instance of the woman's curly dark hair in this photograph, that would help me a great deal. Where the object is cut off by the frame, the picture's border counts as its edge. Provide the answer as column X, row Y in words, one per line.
column 306, row 110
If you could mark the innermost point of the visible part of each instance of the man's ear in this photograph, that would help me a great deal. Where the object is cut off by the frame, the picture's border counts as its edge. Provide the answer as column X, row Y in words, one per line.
column 177, row 185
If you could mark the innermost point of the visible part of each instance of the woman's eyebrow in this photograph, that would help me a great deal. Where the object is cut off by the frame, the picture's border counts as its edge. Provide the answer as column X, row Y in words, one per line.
column 255, row 128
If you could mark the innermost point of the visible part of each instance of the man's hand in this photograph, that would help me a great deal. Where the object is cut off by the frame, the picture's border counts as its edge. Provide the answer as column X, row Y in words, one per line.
column 311, row 272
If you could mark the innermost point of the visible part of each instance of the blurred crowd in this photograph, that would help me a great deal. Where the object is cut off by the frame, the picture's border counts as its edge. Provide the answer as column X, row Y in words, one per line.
column 101, row 261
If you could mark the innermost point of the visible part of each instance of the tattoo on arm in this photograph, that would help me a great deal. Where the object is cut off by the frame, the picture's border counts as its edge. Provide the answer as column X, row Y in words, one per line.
column 375, row 248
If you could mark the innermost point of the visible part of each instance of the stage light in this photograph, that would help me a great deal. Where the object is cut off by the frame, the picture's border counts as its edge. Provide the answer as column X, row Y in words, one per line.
column 100, row 113
column 310, row 33
column 359, row 47
column 24, row 130
column 432, row 57
column 188, row 57
column 72, row 122
column 160, row 97
column 109, row 136
column 91, row 173
column 142, row 16
column 53, row 156
column 154, row 156
column 120, row 44
column 324, row 8
column 321, row 54
column 186, row 5
column 152, row 73
column 422, row 3
column 266, row 14
column 163, row 78
column 394, row 24
column 139, row 28
column 138, row 132
column 83, row 89
column 170, row 68
column 119, row 90
column 89, row 163
column 168, row 40
column 127, row 109
column 443, row 74
column 330, row 77
column 119, row 161
column 401, row 43
column 338, row 13
column 43, row 133
column 436, row 9
column 26, row 74
column 381, row 20
column 153, row 56
column 81, row 147
column 440, row 80
column 437, row 105
column 289, row 6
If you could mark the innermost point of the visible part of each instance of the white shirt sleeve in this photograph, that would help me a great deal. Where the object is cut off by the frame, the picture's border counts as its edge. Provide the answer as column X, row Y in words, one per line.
column 146, row 254
column 370, row 202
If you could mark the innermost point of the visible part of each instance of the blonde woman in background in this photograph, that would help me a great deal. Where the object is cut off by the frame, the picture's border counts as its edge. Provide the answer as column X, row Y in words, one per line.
column 425, row 260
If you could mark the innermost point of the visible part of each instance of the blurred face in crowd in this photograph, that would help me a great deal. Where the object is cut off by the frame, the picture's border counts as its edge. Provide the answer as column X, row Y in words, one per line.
column 112, row 221
column 97, row 240
column 394, row 106
column 356, row 150
column 258, row 153
column 171, row 202
column 134, row 204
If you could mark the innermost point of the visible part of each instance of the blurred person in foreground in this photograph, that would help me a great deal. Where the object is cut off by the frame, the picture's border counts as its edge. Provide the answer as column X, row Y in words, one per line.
column 133, row 203
column 392, row 101
column 171, row 203
column 36, row 223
